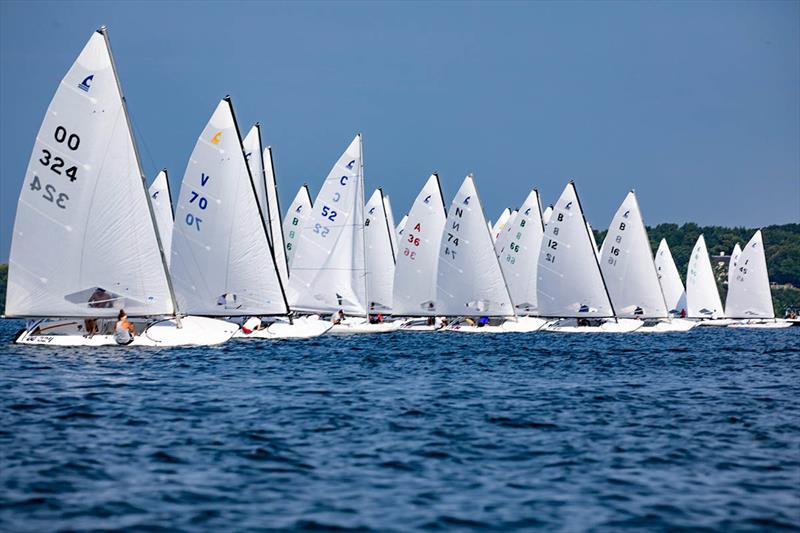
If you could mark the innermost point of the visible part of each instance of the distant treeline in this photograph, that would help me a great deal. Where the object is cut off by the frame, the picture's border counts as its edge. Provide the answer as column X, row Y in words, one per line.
column 781, row 243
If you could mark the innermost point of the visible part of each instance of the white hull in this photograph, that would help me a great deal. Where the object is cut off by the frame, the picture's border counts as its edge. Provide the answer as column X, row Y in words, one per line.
column 668, row 326
column 421, row 324
column 520, row 325
column 570, row 325
column 301, row 328
column 714, row 322
column 762, row 324
column 194, row 331
column 360, row 326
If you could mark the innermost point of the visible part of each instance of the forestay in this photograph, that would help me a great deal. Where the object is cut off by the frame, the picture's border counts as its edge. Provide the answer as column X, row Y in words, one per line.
column 328, row 269
column 570, row 283
column 293, row 222
column 418, row 256
column 702, row 296
column 161, row 199
column 749, row 294
column 670, row 279
column 518, row 250
column 274, row 229
column 221, row 260
column 380, row 255
column 470, row 281
column 628, row 267
column 84, row 229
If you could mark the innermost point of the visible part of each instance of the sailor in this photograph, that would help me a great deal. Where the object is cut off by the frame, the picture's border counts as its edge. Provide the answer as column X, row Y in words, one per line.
column 338, row 318
column 124, row 331
column 99, row 299
column 483, row 321
column 252, row 324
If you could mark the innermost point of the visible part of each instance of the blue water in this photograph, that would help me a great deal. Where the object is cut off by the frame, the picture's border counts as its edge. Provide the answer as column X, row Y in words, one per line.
column 406, row 432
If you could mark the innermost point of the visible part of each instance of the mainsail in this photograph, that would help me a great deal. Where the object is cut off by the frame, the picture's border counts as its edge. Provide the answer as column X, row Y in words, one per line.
column 670, row 279
column 470, row 281
column 417, row 258
column 627, row 265
column 273, row 214
column 328, row 269
column 252, row 153
column 380, row 255
column 84, row 241
column 702, row 296
column 293, row 222
column 570, row 283
column 387, row 204
column 518, row 250
column 749, row 294
column 222, row 264
column 735, row 253
column 161, row 199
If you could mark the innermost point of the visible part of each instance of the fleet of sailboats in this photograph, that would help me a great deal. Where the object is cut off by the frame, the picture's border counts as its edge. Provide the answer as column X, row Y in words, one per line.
column 227, row 264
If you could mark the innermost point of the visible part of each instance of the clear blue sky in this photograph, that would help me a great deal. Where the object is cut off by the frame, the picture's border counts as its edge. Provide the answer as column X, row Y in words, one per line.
column 696, row 105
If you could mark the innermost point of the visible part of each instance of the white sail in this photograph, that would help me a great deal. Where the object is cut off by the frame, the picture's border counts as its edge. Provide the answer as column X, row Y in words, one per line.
column 380, row 255
column 470, row 281
column 328, row 269
column 252, row 153
column 84, row 220
column 418, row 256
column 498, row 226
column 518, row 250
column 670, row 279
column 506, row 227
column 222, row 264
column 387, row 204
column 749, row 294
column 547, row 213
column 570, row 283
column 401, row 228
column 702, row 296
column 294, row 221
column 735, row 253
column 161, row 199
column 628, row 267
column 273, row 214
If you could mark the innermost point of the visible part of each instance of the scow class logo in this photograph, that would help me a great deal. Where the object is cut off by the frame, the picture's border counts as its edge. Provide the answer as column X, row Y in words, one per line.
column 466, row 200
column 247, row 156
column 215, row 138
column 155, row 194
column 350, row 164
column 626, row 214
column 568, row 206
column 427, row 199
column 84, row 85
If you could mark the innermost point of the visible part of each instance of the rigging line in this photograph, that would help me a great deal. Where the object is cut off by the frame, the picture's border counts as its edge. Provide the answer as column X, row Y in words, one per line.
column 143, row 142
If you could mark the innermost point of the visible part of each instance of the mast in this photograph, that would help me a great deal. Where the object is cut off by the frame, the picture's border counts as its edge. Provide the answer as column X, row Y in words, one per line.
column 363, row 237
column 258, row 206
column 389, row 229
column 594, row 252
column 102, row 30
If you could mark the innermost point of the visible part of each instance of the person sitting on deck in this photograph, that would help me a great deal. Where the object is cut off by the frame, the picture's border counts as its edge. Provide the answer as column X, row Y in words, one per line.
column 376, row 319
column 483, row 321
column 338, row 318
column 252, row 324
column 124, row 331
column 470, row 321
column 99, row 299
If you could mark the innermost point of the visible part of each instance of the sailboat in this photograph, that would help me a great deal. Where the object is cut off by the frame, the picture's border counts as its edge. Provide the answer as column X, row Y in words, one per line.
column 571, row 288
column 417, row 259
column 470, row 283
column 161, row 199
column 222, row 262
column 670, row 280
column 380, row 254
column 294, row 220
column 518, row 251
column 749, row 299
column 329, row 270
column 630, row 273
column 85, row 243
column 702, row 297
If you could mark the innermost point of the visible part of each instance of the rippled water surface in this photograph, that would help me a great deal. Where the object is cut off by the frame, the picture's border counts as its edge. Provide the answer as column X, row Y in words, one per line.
column 406, row 432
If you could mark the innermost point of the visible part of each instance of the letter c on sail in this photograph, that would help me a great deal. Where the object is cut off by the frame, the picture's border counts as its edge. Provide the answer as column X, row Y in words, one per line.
column 350, row 164
column 466, row 200
column 343, row 180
